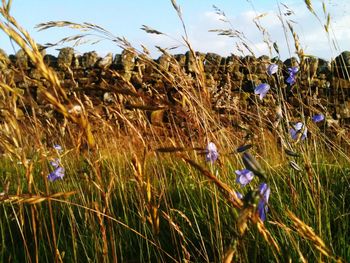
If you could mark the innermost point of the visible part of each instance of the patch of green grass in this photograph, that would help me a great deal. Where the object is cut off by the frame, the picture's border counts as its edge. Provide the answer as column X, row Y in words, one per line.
column 194, row 217
column 144, row 193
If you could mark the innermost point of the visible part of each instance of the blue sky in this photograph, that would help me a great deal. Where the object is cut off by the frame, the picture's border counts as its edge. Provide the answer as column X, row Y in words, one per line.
column 124, row 19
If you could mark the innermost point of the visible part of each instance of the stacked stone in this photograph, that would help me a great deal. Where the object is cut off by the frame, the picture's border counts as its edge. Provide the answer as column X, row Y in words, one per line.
column 226, row 78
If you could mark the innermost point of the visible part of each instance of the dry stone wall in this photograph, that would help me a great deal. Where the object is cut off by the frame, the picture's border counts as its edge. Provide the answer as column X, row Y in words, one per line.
column 92, row 76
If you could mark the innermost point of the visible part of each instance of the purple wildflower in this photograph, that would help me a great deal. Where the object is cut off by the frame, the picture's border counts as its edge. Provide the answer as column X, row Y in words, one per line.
column 57, row 147
column 58, row 173
column 55, row 163
column 272, row 69
column 318, row 117
column 211, row 153
column 262, row 90
column 291, row 80
column 244, row 176
column 265, row 191
column 298, row 128
column 293, row 70
column 292, row 75
column 239, row 195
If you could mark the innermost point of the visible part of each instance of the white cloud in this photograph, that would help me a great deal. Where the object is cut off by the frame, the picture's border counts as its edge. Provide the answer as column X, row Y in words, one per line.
column 311, row 33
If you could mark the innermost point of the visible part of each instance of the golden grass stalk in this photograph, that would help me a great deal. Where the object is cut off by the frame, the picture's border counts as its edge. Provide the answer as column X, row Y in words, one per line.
column 308, row 233
column 267, row 235
column 24, row 40
column 291, row 239
column 33, row 199
column 231, row 196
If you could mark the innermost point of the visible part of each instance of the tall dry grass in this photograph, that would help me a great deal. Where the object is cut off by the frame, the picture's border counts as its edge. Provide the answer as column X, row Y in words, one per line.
column 136, row 186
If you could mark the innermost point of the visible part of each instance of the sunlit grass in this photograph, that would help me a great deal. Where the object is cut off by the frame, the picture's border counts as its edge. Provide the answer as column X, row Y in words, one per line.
column 139, row 185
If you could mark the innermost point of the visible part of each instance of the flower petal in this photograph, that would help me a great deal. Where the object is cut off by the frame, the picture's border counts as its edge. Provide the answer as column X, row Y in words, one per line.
column 272, row 69
column 239, row 195
column 264, row 199
column 262, row 210
column 58, row 173
column 262, row 90
column 55, row 163
column 57, row 147
column 265, row 191
column 293, row 70
column 298, row 128
column 291, row 80
column 244, row 176
column 318, row 117
column 293, row 133
column 292, row 75
column 211, row 153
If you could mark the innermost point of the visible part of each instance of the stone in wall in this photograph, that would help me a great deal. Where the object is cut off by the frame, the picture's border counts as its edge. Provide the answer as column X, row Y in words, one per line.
column 51, row 61
column 291, row 62
column 190, row 65
column 128, row 64
column 89, row 59
column 105, row 62
column 22, row 60
column 92, row 76
column 181, row 59
column 341, row 65
column 117, row 62
column 164, row 62
column 65, row 58
column 212, row 63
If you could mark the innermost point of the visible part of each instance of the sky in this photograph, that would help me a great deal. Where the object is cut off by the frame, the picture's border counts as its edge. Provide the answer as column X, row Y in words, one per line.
column 125, row 18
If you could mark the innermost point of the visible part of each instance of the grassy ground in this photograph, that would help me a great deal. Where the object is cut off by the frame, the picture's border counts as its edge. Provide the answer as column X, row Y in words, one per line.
column 173, row 214
column 137, row 189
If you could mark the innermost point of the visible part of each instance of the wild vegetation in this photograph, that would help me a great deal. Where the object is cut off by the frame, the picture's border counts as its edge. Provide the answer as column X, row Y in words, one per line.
column 170, row 178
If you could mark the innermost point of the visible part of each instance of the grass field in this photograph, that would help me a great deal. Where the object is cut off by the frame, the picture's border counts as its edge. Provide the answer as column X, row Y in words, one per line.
column 164, row 181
